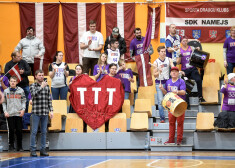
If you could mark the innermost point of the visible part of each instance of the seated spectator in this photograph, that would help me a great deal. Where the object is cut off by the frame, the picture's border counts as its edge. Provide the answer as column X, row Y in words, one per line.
column 14, row 105
column 101, row 68
column 4, row 84
column 58, row 72
column 127, row 77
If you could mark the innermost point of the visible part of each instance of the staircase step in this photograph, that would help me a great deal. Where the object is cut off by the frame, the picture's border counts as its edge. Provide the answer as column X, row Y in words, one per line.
column 161, row 126
column 171, row 148
column 210, row 108
column 186, row 120
column 165, row 133
column 188, row 113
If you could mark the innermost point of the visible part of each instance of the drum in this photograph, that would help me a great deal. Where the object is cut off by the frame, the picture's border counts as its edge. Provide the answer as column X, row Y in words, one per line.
column 189, row 84
column 174, row 104
column 199, row 58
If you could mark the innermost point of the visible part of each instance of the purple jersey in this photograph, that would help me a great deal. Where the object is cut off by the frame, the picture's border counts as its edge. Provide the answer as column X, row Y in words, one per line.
column 5, row 81
column 125, row 76
column 229, row 98
column 178, row 85
column 137, row 46
column 186, row 54
column 97, row 69
column 230, row 45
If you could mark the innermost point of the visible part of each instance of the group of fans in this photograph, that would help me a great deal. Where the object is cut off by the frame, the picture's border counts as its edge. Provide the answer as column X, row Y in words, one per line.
column 18, row 94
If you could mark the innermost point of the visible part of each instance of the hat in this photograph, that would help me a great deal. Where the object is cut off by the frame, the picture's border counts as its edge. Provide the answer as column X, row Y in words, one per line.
column 115, row 31
column 174, row 68
column 231, row 75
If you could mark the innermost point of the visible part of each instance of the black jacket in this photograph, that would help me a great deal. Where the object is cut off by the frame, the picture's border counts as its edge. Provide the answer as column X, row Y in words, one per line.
column 121, row 41
column 22, row 65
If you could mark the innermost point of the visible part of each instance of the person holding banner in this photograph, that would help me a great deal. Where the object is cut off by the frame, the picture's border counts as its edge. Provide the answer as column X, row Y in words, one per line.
column 24, row 72
column 177, row 86
column 161, row 73
column 101, row 68
column 32, row 47
column 191, row 72
column 229, row 51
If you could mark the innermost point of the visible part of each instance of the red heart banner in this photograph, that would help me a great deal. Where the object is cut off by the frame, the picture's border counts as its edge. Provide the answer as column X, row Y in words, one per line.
column 96, row 102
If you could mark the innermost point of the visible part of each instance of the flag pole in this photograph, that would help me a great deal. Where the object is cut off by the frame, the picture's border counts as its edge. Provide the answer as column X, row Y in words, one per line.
column 10, row 69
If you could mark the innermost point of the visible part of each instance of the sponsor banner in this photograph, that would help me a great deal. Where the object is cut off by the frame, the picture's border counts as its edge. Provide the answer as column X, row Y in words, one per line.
column 206, row 21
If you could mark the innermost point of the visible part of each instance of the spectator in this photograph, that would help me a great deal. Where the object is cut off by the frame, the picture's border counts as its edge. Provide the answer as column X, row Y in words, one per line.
column 136, row 46
column 92, row 43
column 31, row 48
column 14, row 105
column 24, row 73
column 101, row 68
column 113, row 53
column 116, row 35
column 4, row 84
column 229, row 51
column 127, row 77
column 41, row 105
column 58, row 72
column 161, row 74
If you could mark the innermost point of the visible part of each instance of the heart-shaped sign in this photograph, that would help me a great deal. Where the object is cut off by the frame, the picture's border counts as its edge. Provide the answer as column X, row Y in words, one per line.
column 96, row 102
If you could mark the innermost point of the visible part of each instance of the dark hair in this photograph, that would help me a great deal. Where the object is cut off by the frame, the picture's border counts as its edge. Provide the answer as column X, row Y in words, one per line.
column 110, row 65
column 160, row 47
column 38, row 71
column 14, row 77
column 137, row 29
column 57, row 52
column 13, row 54
column 113, row 40
column 29, row 28
column 79, row 65
column 92, row 22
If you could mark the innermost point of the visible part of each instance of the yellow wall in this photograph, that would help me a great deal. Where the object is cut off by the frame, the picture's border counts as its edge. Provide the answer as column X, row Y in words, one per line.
column 10, row 27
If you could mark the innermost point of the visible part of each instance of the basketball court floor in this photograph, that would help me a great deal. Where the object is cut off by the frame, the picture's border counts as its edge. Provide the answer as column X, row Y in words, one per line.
column 120, row 159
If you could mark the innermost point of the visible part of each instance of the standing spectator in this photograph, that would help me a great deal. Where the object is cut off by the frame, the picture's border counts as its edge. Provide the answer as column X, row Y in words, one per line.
column 229, row 51
column 113, row 53
column 136, row 46
column 116, row 35
column 127, row 77
column 161, row 74
column 14, row 108
column 24, row 73
column 101, row 68
column 3, row 85
column 92, row 43
column 31, row 48
column 177, row 86
column 41, row 108
column 58, row 72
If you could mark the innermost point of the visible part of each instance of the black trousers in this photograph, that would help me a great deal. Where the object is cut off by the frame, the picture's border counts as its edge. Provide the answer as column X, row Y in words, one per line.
column 193, row 73
column 88, row 64
column 31, row 65
column 15, row 124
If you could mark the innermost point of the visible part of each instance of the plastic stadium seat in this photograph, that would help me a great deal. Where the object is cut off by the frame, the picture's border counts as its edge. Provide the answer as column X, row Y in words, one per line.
column 118, row 123
column 126, row 108
column 56, row 122
column 48, row 80
column 205, row 122
column 134, row 85
column 73, row 123
column 31, row 79
column 92, row 77
column 100, row 129
column 210, row 94
column 143, row 106
column 132, row 66
column 60, row 106
column 139, row 122
column 147, row 93
column 211, row 81
column 212, row 68
column 72, row 66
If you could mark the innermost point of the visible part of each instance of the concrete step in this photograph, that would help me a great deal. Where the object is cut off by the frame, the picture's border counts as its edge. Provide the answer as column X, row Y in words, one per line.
column 165, row 133
column 210, row 108
column 165, row 126
column 171, row 148
column 186, row 120
column 188, row 113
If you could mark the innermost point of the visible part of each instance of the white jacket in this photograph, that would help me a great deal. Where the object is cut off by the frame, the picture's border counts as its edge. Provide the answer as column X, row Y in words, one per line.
column 31, row 46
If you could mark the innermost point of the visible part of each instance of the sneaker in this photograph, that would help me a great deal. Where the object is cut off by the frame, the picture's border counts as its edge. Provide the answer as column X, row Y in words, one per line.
column 11, row 148
column 47, row 149
column 202, row 100
column 162, row 121
column 20, row 149
column 33, row 154
column 43, row 153
column 169, row 142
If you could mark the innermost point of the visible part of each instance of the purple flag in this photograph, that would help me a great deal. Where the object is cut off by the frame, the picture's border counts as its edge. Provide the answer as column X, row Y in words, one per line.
column 147, row 39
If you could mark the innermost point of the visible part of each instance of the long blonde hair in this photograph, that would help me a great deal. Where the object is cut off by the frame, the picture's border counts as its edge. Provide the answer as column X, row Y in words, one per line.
column 99, row 60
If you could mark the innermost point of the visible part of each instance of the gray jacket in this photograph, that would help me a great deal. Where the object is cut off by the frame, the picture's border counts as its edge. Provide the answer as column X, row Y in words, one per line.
column 14, row 101
column 31, row 46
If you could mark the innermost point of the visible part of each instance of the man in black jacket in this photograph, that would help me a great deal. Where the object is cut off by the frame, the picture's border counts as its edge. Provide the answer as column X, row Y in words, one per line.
column 115, row 34
column 24, row 73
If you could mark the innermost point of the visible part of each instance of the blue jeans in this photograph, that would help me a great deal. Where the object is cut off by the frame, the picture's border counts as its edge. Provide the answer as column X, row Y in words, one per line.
column 159, row 99
column 34, row 129
column 59, row 93
column 230, row 67
column 126, row 95
column 26, row 92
